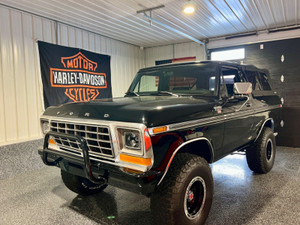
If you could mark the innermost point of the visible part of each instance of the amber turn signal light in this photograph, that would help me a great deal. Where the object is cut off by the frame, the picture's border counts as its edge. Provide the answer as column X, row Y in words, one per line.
column 159, row 129
column 135, row 160
column 51, row 141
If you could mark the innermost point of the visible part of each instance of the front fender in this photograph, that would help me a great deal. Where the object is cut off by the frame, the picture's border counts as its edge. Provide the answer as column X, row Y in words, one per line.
column 179, row 148
column 163, row 147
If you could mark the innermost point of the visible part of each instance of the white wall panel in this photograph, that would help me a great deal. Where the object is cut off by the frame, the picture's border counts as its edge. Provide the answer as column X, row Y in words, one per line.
column 85, row 40
column 158, row 53
column 18, row 74
column 63, row 35
column 78, row 38
column 21, row 101
column 189, row 49
column 7, row 73
column 91, row 42
column 2, row 97
column 37, row 35
column 30, row 74
column 173, row 51
column 72, row 36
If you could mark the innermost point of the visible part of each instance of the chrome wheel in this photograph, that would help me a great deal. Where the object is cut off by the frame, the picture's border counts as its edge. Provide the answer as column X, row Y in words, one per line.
column 195, row 196
column 269, row 149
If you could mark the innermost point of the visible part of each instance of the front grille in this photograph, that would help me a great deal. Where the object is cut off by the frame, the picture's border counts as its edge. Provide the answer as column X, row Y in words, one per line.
column 97, row 138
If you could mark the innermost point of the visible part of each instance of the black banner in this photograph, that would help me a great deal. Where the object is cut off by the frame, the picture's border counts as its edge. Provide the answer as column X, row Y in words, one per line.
column 73, row 74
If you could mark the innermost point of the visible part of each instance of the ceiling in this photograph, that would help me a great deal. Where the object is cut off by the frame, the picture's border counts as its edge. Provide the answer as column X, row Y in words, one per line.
column 118, row 18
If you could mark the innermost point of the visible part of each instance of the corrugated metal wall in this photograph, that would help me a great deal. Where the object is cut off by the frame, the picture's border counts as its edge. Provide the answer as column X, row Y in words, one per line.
column 20, row 87
column 174, row 51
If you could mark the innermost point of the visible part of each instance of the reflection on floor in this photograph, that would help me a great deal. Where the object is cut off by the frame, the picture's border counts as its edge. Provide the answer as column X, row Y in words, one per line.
column 240, row 197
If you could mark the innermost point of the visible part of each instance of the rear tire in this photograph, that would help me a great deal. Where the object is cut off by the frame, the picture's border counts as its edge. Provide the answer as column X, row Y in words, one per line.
column 261, row 156
column 81, row 185
column 185, row 195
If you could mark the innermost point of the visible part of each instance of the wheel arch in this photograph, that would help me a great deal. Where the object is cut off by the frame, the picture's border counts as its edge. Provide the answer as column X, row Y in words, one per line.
column 267, row 123
column 191, row 147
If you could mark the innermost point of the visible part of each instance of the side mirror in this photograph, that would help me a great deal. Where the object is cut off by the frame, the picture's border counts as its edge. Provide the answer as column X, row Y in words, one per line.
column 242, row 88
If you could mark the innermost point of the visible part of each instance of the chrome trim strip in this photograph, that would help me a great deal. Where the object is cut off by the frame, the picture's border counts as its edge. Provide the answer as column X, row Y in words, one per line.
column 178, row 148
column 263, row 125
column 213, row 120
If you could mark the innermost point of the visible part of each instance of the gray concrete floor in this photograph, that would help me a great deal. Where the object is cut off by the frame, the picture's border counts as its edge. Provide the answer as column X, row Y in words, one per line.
column 241, row 197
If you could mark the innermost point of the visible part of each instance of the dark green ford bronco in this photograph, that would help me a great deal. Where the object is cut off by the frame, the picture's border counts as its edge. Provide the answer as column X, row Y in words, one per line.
column 160, row 138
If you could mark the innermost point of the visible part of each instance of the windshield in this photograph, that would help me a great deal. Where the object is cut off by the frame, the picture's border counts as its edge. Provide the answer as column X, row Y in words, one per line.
column 199, row 79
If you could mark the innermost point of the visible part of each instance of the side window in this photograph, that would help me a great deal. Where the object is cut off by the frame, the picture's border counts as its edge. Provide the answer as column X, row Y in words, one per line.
column 263, row 80
column 259, row 80
column 229, row 77
column 147, row 84
column 252, row 77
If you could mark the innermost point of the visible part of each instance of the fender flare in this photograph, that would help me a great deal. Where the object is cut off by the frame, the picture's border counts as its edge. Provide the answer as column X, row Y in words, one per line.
column 263, row 125
column 179, row 147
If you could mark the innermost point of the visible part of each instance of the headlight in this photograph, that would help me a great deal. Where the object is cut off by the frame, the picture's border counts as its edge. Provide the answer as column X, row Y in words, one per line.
column 132, row 139
column 136, row 151
column 45, row 126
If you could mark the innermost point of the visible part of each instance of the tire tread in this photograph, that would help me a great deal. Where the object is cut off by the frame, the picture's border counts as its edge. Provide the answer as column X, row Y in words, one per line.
column 255, row 155
column 74, row 183
column 163, row 205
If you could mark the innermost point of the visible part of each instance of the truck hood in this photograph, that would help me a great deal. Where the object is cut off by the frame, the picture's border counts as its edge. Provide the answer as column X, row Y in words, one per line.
column 149, row 110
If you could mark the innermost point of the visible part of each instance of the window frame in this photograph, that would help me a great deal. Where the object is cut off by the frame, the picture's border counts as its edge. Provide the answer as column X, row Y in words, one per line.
column 259, row 92
column 139, row 75
column 239, row 73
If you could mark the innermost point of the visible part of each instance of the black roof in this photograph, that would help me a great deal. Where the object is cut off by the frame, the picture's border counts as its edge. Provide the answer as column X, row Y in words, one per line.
column 225, row 63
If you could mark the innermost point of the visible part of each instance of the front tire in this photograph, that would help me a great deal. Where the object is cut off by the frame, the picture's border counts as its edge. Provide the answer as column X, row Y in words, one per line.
column 261, row 156
column 81, row 185
column 185, row 195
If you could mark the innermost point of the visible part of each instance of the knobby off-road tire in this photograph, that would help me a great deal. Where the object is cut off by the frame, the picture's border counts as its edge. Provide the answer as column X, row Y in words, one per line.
column 261, row 156
column 80, row 185
column 185, row 195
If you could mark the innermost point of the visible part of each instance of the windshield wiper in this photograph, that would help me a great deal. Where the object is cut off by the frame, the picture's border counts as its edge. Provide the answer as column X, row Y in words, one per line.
column 166, row 92
column 132, row 93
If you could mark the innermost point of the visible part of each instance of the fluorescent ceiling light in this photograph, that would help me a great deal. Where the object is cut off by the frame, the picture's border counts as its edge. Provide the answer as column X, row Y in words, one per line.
column 228, row 54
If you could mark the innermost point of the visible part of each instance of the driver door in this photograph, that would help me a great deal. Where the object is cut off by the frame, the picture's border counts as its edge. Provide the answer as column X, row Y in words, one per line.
column 237, row 111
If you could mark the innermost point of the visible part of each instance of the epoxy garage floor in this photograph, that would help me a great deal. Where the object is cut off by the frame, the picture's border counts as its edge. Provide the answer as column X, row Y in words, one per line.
column 241, row 197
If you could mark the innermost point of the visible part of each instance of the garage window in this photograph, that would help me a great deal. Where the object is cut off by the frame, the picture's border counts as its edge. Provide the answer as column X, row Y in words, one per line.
column 232, row 54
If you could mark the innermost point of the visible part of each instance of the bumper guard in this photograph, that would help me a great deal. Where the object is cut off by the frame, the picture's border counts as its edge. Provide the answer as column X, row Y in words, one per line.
column 87, row 169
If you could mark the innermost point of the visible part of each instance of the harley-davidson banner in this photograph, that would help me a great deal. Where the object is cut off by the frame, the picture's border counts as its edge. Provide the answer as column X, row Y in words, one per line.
column 73, row 74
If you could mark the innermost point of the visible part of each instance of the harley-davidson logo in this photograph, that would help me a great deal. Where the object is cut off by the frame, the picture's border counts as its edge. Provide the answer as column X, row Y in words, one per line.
column 79, row 78
column 79, row 61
